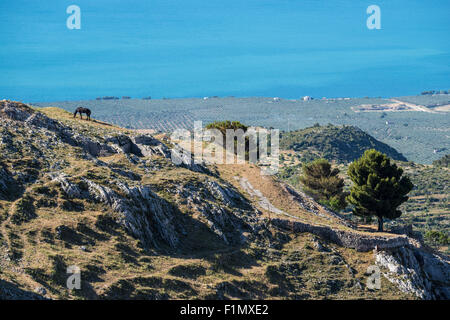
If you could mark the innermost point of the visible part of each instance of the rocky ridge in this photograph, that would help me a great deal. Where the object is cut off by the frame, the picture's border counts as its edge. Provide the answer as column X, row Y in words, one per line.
column 128, row 177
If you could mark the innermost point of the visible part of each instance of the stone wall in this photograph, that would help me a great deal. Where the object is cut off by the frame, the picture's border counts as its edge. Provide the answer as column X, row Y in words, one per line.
column 347, row 239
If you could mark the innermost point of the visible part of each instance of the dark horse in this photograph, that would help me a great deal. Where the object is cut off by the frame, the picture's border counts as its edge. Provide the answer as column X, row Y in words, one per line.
column 81, row 110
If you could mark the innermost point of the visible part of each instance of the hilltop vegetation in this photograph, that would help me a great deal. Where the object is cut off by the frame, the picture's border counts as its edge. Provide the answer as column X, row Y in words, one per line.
column 427, row 208
column 443, row 162
column 223, row 126
column 341, row 144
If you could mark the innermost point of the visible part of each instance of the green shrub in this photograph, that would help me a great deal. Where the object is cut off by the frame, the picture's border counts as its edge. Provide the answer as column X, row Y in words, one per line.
column 323, row 183
column 437, row 237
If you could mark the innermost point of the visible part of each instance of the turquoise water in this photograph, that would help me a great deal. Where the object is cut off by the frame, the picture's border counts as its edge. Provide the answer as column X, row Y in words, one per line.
column 192, row 48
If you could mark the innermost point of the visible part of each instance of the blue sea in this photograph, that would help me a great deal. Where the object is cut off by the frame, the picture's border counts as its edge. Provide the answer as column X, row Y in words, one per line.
column 196, row 48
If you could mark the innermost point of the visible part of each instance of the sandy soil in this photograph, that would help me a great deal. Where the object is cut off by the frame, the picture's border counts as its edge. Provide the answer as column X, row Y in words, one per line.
column 444, row 108
column 397, row 106
column 145, row 131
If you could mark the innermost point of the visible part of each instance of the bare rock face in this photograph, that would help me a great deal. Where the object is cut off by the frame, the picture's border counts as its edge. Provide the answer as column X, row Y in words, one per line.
column 137, row 146
column 10, row 291
column 39, row 120
column 124, row 144
column 418, row 272
column 184, row 159
column 140, row 211
column 228, row 195
column 145, row 214
column 407, row 277
column 150, row 146
column 15, row 110
column 146, row 140
column 20, row 112
column 224, row 224
column 70, row 189
column 92, row 146
column 226, row 212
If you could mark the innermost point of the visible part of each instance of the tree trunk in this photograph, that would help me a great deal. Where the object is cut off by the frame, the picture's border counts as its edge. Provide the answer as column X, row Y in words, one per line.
column 380, row 224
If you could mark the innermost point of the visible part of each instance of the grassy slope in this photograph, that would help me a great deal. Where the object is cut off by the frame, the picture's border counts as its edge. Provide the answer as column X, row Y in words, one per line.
column 113, row 264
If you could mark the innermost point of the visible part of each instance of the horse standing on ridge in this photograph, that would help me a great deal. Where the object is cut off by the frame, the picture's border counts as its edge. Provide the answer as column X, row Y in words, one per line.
column 81, row 110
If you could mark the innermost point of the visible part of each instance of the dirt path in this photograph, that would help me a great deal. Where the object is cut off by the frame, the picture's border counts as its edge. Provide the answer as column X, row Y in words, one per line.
column 414, row 107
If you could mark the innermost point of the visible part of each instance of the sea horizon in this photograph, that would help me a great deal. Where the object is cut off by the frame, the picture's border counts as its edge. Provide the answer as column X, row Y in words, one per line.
column 285, row 49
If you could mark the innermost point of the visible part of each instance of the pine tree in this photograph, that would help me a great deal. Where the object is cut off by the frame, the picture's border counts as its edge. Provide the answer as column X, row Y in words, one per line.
column 323, row 183
column 379, row 187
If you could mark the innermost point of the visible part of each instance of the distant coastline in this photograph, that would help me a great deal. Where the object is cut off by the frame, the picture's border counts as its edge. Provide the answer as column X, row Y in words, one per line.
column 437, row 92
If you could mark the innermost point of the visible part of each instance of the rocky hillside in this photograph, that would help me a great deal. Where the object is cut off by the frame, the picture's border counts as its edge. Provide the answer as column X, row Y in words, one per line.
column 112, row 203
column 340, row 143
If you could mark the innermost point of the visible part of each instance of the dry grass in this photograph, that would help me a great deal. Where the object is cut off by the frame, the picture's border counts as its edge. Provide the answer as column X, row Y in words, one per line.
column 115, row 265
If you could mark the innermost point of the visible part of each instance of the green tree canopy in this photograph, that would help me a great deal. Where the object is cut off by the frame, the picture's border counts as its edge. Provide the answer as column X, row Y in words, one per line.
column 223, row 126
column 227, row 124
column 323, row 183
column 379, row 187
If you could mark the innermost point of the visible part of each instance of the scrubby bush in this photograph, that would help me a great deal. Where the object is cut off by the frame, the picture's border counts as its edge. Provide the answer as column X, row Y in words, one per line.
column 323, row 183
column 437, row 237
column 442, row 162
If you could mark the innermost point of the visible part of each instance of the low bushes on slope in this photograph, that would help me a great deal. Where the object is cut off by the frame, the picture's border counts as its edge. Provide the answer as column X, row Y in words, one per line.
column 343, row 144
